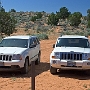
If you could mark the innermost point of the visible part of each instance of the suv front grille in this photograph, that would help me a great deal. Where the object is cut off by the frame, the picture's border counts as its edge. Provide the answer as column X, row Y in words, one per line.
column 71, row 56
column 6, row 57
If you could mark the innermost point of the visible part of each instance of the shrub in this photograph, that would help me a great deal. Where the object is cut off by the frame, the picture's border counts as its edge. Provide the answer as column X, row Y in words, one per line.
column 88, row 29
column 0, row 39
column 88, row 33
column 42, row 36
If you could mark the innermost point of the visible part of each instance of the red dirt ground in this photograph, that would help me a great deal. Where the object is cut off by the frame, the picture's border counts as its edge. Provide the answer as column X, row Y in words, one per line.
column 64, row 80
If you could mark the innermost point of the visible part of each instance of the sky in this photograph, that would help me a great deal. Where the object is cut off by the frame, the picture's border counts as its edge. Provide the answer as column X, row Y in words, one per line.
column 47, row 5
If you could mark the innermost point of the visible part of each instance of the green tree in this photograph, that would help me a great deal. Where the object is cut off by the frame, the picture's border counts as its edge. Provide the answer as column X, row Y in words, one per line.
column 88, row 18
column 7, row 23
column 2, row 9
column 12, row 10
column 88, row 24
column 88, row 14
column 75, row 18
column 38, row 16
column 63, row 13
column 33, row 18
column 52, row 19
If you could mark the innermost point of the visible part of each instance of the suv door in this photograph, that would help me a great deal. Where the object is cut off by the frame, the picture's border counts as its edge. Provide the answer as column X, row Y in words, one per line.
column 31, row 49
column 36, row 48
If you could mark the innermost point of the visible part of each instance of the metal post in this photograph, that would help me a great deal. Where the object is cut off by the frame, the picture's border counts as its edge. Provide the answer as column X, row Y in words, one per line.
column 33, row 75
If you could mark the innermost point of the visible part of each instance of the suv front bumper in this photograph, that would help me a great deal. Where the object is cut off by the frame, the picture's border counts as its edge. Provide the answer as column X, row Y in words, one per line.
column 73, row 64
column 11, row 65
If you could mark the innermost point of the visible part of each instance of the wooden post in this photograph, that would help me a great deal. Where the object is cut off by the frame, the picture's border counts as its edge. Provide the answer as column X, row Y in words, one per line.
column 33, row 75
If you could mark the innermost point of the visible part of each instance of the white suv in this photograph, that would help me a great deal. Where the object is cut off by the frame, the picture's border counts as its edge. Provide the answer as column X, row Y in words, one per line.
column 17, row 52
column 70, row 52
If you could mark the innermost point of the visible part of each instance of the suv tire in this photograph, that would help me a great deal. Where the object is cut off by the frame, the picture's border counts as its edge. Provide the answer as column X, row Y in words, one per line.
column 25, row 69
column 53, row 70
column 87, row 72
column 38, row 60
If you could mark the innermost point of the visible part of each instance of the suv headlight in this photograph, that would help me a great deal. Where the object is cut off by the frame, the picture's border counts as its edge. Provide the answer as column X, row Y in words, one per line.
column 86, row 56
column 56, row 55
column 17, row 57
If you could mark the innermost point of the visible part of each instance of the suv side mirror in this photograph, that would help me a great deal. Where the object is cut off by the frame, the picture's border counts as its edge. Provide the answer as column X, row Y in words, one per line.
column 32, row 46
column 53, row 45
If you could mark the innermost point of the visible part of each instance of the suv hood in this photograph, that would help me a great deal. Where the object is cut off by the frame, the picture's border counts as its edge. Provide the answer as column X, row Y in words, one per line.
column 74, row 49
column 11, row 50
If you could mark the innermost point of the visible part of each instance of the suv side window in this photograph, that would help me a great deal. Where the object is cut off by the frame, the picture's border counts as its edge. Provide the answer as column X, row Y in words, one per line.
column 37, row 41
column 32, row 42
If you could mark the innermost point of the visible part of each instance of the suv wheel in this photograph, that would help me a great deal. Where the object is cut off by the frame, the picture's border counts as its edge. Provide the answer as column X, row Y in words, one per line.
column 38, row 60
column 26, row 67
column 87, row 72
column 53, row 70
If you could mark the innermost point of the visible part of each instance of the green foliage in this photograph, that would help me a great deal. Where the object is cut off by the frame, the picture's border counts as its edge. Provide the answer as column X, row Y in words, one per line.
column 33, row 18
column 88, row 24
column 41, row 29
column 88, row 29
column 88, row 34
column 88, row 18
column 52, row 19
column 88, row 14
column 12, row 10
column 85, row 17
column 2, row 9
column 13, row 78
column 42, row 36
column 63, row 13
column 7, row 23
column 0, row 39
column 75, row 18
column 76, row 32
column 85, row 86
column 38, row 16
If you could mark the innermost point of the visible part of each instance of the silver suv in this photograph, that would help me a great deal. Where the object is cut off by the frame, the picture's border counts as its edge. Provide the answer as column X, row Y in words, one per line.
column 17, row 52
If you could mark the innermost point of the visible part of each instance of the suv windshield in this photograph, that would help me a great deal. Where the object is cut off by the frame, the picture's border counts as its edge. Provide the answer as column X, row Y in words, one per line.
column 14, row 43
column 72, row 42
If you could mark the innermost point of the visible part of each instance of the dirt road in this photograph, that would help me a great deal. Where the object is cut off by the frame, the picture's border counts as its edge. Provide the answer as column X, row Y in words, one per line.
column 64, row 80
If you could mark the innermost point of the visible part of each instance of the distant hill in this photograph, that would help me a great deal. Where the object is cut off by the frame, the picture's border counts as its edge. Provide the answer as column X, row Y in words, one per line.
column 27, row 26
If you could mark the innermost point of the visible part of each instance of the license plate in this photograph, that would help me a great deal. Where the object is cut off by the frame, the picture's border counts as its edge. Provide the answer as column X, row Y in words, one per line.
column 1, row 63
column 69, row 63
